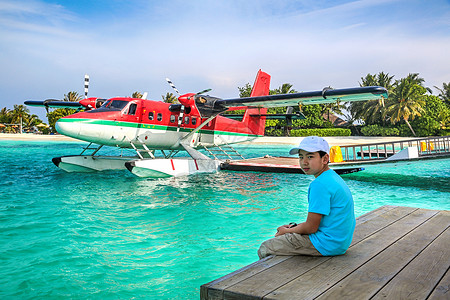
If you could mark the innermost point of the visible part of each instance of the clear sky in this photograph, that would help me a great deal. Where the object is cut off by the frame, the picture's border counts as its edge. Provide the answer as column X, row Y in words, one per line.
column 46, row 47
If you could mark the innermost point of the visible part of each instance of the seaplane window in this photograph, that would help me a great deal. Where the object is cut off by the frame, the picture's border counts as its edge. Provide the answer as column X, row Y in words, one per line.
column 194, row 121
column 132, row 109
column 151, row 116
column 159, row 117
column 186, row 120
column 172, row 118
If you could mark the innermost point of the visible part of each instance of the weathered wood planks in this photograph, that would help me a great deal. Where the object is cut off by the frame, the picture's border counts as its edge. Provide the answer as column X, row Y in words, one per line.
column 396, row 252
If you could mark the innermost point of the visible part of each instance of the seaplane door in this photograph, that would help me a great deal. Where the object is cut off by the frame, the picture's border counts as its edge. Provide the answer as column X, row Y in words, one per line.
column 131, row 113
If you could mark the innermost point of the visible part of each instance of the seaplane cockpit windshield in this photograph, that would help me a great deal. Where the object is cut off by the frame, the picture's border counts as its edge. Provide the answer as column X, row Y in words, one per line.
column 112, row 105
column 105, row 104
column 118, row 104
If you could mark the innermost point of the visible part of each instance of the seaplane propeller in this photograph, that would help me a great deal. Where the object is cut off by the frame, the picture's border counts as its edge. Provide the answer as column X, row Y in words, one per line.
column 86, row 103
column 173, row 86
column 204, row 91
column 86, row 85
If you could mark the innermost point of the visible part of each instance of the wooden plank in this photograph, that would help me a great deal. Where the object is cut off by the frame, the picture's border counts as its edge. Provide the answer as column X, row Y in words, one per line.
column 319, row 279
column 418, row 279
column 284, row 282
column 372, row 226
column 373, row 222
column 215, row 288
column 442, row 290
column 367, row 280
column 259, row 285
column 373, row 213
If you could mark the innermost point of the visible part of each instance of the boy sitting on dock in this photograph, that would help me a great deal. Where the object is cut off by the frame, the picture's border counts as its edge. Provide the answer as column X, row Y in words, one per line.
column 329, row 226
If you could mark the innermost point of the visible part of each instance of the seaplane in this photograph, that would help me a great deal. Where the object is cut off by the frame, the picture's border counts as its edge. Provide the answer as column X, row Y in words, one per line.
column 196, row 122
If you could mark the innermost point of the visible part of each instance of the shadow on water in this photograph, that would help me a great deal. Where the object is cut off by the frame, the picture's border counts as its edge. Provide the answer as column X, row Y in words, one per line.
column 440, row 184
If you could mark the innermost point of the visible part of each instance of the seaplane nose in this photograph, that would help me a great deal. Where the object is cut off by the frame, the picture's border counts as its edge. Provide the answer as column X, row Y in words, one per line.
column 68, row 128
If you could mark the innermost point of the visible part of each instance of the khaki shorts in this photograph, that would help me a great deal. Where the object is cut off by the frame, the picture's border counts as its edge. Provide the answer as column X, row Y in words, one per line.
column 288, row 244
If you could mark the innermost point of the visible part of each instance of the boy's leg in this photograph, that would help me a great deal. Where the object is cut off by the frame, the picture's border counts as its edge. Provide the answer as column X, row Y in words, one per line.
column 288, row 244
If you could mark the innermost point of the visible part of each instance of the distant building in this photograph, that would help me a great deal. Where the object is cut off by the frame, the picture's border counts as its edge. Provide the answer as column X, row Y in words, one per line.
column 335, row 120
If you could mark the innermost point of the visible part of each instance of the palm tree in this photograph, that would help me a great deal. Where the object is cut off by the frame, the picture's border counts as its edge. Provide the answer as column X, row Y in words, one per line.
column 136, row 95
column 170, row 98
column 56, row 114
column 32, row 120
column 444, row 93
column 5, row 115
column 19, row 115
column 406, row 100
column 372, row 111
column 245, row 91
column 72, row 97
column 19, row 112
column 285, row 88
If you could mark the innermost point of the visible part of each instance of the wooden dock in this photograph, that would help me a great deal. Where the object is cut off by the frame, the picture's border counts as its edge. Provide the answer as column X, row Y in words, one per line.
column 281, row 164
column 397, row 253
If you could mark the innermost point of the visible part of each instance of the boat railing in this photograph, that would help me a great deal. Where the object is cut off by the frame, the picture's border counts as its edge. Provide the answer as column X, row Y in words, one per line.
column 429, row 146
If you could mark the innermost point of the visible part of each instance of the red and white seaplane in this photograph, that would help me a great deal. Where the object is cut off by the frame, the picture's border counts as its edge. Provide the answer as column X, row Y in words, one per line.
column 195, row 123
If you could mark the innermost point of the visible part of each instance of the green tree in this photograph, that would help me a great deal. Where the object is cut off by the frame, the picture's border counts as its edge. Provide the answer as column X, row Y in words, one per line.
column 285, row 88
column 72, row 97
column 136, row 95
column 59, row 113
column 406, row 100
column 444, row 93
column 19, row 113
column 245, row 91
column 32, row 121
column 314, row 118
column 5, row 115
column 435, row 118
column 372, row 111
column 170, row 98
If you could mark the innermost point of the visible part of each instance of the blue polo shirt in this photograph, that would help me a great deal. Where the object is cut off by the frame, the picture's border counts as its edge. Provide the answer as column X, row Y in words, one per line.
column 330, row 196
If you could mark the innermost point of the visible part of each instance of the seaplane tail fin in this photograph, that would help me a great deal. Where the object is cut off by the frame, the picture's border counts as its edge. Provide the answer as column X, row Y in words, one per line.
column 261, row 87
column 252, row 117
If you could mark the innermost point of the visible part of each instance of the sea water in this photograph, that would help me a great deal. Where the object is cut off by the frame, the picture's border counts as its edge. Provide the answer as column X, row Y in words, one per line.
column 112, row 235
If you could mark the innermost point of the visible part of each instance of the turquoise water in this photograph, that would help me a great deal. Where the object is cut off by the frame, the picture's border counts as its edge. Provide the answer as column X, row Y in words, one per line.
column 112, row 235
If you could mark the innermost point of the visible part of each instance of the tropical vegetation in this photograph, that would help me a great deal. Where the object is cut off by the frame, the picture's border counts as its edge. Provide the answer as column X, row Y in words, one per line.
column 12, row 120
column 410, row 110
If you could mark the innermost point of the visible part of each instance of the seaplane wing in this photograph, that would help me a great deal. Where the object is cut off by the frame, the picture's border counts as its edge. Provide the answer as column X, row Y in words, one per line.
column 209, row 106
column 53, row 103
column 327, row 95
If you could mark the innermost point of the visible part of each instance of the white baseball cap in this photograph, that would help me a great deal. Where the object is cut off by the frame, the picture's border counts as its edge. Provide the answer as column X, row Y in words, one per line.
column 311, row 144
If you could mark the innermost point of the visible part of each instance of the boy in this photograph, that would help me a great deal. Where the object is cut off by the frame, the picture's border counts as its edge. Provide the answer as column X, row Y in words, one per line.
column 329, row 226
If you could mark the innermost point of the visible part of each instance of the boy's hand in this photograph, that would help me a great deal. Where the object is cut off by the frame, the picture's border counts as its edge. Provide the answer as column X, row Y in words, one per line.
column 282, row 230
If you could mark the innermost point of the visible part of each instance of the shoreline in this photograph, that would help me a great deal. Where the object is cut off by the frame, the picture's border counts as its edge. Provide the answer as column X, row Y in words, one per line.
column 35, row 137
column 266, row 140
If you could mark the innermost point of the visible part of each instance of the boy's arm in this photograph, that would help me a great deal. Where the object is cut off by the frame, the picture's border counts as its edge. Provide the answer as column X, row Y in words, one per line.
column 311, row 225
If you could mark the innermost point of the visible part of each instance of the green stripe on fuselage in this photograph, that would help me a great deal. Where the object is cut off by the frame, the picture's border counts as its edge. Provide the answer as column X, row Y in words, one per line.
column 151, row 126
